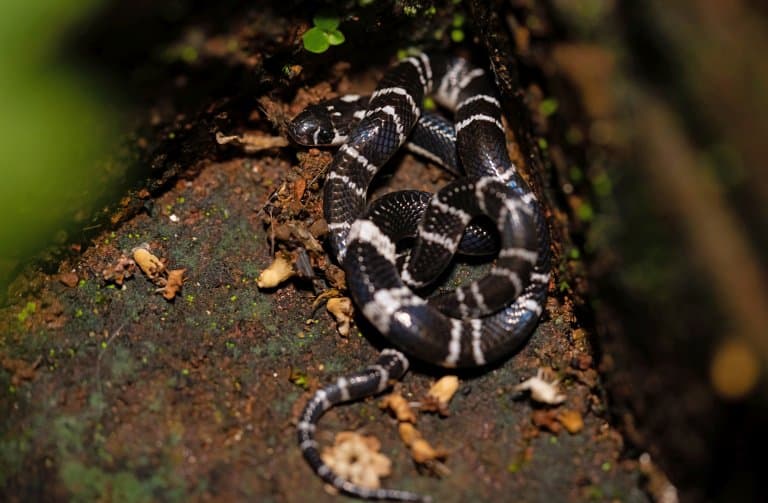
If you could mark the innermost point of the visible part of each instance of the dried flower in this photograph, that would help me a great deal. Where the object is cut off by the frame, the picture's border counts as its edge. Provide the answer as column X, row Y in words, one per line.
column 356, row 458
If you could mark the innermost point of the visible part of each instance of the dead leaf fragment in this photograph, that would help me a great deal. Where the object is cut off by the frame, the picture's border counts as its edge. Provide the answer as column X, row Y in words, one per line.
column 341, row 309
column 571, row 421
column 278, row 271
column 319, row 228
column 324, row 296
column 299, row 186
column 119, row 272
column 356, row 458
column 421, row 450
column 150, row 265
column 440, row 394
column 252, row 142
column 546, row 419
column 399, row 406
column 168, row 281
column 408, row 433
column 172, row 284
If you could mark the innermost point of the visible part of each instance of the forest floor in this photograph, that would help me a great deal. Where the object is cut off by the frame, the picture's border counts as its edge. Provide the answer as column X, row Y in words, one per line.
column 111, row 392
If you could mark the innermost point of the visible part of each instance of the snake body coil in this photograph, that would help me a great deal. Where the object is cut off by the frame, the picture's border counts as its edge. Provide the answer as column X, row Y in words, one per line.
column 474, row 325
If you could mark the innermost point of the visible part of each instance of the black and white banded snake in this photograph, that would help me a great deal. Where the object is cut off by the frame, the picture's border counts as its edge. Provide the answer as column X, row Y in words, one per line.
column 474, row 325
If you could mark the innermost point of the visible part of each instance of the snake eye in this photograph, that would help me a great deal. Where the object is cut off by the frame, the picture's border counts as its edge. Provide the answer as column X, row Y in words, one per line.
column 312, row 127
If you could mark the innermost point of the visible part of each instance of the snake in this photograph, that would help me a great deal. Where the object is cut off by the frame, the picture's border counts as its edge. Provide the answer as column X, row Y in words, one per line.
column 487, row 208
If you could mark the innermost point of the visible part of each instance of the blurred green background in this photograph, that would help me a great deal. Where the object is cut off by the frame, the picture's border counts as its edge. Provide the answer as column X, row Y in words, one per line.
column 55, row 128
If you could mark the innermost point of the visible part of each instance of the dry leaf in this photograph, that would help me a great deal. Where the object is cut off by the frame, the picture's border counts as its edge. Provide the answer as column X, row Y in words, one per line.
column 440, row 394
column 341, row 309
column 421, row 451
column 172, row 285
column 398, row 405
column 119, row 272
column 571, row 420
column 278, row 271
column 152, row 266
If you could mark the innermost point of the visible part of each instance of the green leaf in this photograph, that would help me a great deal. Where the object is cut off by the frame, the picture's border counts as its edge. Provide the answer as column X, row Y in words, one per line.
column 315, row 40
column 327, row 23
column 335, row 37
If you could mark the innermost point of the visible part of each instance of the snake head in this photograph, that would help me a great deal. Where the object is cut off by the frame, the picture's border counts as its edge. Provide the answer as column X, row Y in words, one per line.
column 313, row 127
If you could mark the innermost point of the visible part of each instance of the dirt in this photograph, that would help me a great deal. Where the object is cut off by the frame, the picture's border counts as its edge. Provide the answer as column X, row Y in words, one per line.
column 138, row 398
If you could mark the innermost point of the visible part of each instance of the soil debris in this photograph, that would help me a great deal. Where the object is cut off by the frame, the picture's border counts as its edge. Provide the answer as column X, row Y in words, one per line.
column 335, row 277
column 20, row 370
column 422, row 451
column 297, row 232
column 274, row 111
column 69, row 279
column 252, row 142
column 571, row 421
column 172, row 284
column 304, row 98
column 546, row 419
column 169, row 282
column 120, row 271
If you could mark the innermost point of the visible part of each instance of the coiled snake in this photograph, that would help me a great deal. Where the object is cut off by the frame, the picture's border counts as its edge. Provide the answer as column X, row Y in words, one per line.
column 474, row 325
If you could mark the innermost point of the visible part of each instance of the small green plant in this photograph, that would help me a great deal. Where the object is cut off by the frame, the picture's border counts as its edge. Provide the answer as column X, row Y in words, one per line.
column 324, row 34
